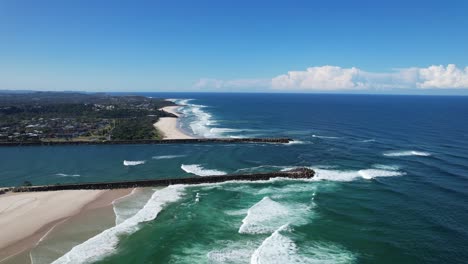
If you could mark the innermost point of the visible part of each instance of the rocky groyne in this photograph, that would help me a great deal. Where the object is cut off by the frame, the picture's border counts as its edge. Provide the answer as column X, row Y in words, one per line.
column 299, row 173
column 151, row 141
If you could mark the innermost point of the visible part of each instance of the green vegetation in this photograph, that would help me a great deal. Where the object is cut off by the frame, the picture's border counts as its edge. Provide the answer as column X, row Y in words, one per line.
column 52, row 116
column 130, row 129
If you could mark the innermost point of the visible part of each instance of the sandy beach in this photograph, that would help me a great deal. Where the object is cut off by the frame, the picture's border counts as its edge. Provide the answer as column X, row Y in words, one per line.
column 28, row 218
column 168, row 125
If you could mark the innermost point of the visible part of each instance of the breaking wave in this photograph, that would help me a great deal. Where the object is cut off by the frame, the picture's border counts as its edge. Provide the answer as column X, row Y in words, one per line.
column 201, row 122
column 106, row 242
column 267, row 215
column 278, row 248
column 263, row 217
column 406, row 153
column 197, row 169
column 133, row 162
column 339, row 175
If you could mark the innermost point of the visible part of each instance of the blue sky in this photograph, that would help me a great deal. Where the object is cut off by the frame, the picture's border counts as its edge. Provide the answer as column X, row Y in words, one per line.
column 304, row 46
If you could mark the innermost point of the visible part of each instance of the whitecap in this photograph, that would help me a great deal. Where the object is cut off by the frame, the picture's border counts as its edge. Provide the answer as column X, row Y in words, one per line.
column 386, row 167
column 167, row 157
column 406, row 153
column 324, row 137
column 197, row 169
column 133, row 162
column 106, row 242
column 67, row 175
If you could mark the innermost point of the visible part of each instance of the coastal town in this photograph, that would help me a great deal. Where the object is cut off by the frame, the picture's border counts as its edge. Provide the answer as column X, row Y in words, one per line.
column 55, row 116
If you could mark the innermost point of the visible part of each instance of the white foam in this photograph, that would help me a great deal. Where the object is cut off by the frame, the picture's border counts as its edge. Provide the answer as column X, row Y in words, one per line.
column 133, row 162
column 386, row 167
column 406, row 153
column 67, row 175
column 276, row 249
column 262, row 167
column 324, row 137
column 279, row 249
column 106, row 242
column 235, row 252
column 296, row 142
column 264, row 217
column 122, row 214
column 202, row 122
column 372, row 173
column 167, row 157
column 197, row 169
column 339, row 175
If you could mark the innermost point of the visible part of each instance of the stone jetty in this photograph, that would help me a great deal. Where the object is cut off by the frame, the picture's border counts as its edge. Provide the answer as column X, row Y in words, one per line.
column 299, row 173
column 150, row 141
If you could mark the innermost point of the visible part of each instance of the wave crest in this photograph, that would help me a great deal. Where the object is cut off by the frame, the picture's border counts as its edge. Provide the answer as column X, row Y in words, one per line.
column 406, row 153
column 197, row 169
column 167, row 157
column 133, row 162
column 278, row 248
column 67, row 175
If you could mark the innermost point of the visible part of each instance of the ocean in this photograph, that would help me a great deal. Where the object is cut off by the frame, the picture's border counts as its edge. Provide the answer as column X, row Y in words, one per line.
column 391, row 183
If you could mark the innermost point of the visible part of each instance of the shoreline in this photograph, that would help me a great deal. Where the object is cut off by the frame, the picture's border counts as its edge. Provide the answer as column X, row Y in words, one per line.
column 28, row 219
column 167, row 126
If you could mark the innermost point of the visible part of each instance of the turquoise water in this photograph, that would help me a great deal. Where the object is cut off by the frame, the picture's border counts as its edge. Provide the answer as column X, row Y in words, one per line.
column 391, row 184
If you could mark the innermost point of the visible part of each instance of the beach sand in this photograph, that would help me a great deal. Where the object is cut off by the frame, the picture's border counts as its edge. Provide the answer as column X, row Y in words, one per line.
column 29, row 218
column 168, row 125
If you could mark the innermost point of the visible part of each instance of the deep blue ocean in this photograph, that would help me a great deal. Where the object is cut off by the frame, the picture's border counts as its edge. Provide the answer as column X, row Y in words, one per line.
column 391, row 184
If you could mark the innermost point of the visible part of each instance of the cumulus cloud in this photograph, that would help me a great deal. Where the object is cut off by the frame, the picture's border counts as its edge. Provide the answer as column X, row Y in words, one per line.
column 328, row 78
column 443, row 77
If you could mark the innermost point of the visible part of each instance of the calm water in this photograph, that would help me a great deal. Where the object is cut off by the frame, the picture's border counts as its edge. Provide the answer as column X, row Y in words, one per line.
column 391, row 185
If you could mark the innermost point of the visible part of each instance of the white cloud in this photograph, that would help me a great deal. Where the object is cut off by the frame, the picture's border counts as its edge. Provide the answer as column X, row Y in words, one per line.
column 329, row 78
column 443, row 77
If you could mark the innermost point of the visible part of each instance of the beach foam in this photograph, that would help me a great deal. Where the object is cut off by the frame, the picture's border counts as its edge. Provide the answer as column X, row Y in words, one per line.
column 197, row 169
column 106, row 242
column 201, row 122
column 278, row 248
column 406, row 153
column 121, row 214
column 167, row 157
column 133, row 162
